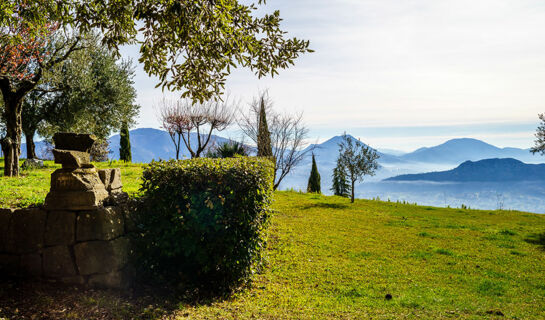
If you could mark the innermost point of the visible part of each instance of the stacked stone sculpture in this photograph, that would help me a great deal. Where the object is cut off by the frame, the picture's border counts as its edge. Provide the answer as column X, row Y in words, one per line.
column 79, row 185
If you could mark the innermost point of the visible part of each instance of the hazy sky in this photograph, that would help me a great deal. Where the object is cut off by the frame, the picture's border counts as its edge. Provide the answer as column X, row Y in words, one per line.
column 404, row 74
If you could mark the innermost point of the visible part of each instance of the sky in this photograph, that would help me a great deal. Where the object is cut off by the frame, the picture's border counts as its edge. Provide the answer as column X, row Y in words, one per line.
column 402, row 74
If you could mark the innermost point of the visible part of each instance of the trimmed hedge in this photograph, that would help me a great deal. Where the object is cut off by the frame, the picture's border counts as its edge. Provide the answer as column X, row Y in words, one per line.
column 202, row 221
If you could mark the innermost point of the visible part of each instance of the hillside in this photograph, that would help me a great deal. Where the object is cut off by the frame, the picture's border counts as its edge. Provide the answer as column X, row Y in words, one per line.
column 327, row 258
column 497, row 170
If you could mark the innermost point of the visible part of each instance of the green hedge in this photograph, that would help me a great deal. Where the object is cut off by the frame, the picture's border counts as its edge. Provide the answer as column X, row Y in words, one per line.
column 201, row 221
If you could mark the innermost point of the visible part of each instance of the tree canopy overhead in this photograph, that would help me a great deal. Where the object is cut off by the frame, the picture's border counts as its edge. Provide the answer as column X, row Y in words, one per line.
column 190, row 45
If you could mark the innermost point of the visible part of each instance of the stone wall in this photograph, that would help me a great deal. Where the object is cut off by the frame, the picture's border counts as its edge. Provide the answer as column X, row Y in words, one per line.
column 87, row 247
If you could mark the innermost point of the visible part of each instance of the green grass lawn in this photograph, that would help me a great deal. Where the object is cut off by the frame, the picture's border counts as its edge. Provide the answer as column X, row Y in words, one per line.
column 328, row 258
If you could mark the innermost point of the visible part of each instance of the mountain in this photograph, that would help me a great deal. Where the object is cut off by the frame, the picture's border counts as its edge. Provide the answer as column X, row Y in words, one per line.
column 148, row 144
column 456, row 151
column 488, row 170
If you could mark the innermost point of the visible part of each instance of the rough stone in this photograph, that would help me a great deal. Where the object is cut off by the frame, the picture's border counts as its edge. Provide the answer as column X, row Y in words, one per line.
column 31, row 264
column 32, row 164
column 74, row 141
column 5, row 217
column 60, row 228
column 9, row 264
column 79, row 189
column 101, row 256
column 78, row 280
column 26, row 231
column 111, row 178
column 58, row 262
column 115, row 279
column 72, row 159
column 101, row 224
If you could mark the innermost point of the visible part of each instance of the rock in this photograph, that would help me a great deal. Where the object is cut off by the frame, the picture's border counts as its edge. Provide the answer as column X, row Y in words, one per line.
column 102, row 224
column 111, row 178
column 60, row 228
column 32, row 164
column 101, row 256
column 9, row 264
column 74, row 141
column 72, row 159
column 31, row 264
column 26, row 231
column 115, row 279
column 57, row 262
column 79, row 189
column 5, row 218
column 79, row 280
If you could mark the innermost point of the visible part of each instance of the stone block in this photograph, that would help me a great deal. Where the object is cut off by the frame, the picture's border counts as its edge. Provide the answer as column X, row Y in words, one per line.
column 58, row 262
column 74, row 141
column 32, row 164
column 26, row 230
column 60, row 228
column 79, row 189
column 112, row 280
column 5, row 218
column 9, row 264
column 101, row 256
column 72, row 159
column 101, row 224
column 111, row 178
column 78, row 280
column 31, row 264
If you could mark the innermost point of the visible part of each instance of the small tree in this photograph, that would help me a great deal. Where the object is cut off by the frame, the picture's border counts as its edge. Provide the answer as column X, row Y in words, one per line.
column 182, row 118
column 357, row 160
column 228, row 150
column 539, row 146
column 314, row 179
column 340, row 186
column 264, row 148
column 125, row 143
column 287, row 135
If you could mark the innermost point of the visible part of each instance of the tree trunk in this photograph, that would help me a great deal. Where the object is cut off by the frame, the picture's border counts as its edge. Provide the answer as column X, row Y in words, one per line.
column 11, row 144
column 30, row 145
column 352, row 198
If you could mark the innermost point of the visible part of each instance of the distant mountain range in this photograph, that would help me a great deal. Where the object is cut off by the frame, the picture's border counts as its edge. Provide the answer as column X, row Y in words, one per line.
column 488, row 170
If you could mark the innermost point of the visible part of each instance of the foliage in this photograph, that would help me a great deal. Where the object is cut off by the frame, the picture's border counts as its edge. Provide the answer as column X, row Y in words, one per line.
column 539, row 146
column 125, row 143
column 229, row 149
column 357, row 160
column 314, row 179
column 264, row 147
column 340, row 185
column 100, row 150
column 182, row 117
column 202, row 221
column 188, row 45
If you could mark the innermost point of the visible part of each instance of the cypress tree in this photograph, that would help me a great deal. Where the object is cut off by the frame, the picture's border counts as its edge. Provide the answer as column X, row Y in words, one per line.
column 125, row 144
column 264, row 148
column 340, row 186
column 314, row 184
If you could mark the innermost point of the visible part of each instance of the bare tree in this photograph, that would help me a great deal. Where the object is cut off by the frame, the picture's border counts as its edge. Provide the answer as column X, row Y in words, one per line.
column 180, row 118
column 288, row 135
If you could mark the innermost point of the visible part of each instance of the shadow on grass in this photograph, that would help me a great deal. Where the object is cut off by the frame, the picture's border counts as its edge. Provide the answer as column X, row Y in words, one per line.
column 324, row 206
column 537, row 239
column 43, row 300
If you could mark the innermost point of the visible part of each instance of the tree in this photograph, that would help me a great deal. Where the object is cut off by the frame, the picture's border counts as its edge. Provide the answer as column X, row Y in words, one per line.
column 183, row 117
column 539, row 146
column 189, row 45
column 357, row 161
column 264, row 148
column 287, row 134
column 340, row 185
column 125, row 144
column 89, row 92
column 25, row 53
column 228, row 150
column 314, row 179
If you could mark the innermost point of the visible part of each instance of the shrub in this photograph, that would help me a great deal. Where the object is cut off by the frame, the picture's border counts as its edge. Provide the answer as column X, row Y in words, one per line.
column 202, row 221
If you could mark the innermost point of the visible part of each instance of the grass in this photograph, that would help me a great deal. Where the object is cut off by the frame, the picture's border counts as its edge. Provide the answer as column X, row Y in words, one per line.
column 328, row 258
